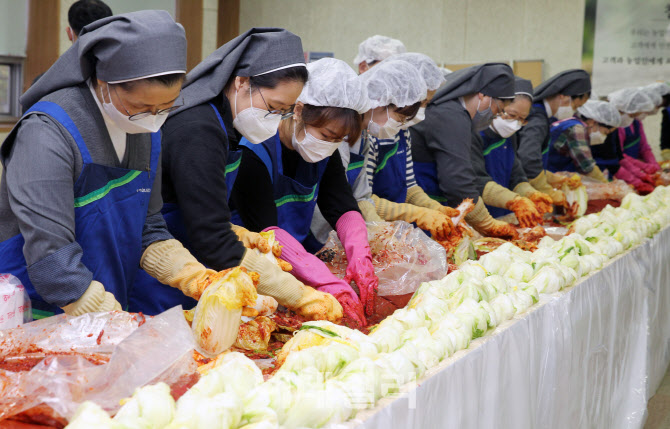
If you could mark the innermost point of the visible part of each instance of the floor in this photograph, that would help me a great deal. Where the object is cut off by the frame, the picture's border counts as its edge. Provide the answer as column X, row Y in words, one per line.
column 659, row 406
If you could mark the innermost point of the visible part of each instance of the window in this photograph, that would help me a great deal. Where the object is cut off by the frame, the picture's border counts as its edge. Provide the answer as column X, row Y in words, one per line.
column 11, row 82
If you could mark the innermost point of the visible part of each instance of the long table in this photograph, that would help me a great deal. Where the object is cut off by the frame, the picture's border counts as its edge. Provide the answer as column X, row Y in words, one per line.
column 589, row 356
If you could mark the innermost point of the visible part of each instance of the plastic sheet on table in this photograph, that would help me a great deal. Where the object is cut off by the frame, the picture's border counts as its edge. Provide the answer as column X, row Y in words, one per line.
column 75, row 370
column 403, row 256
column 15, row 308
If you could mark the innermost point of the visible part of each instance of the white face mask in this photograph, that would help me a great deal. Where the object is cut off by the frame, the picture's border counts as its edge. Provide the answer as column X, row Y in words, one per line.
column 420, row 116
column 596, row 138
column 312, row 149
column 148, row 124
column 626, row 120
column 253, row 124
column 564, row 112
column 386, row 131
column 505, row 127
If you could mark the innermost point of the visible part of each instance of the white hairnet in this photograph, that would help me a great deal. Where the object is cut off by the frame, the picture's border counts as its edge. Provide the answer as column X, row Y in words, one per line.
column 631, row 100
column 333, row 83
column 378, row 48
column 653, row 93
column 601, row 111
column 394, row 82
column 661, row 88
column 426, row 67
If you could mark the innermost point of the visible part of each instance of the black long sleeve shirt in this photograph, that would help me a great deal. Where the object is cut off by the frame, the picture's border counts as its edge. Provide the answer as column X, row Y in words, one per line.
column 253, row 195
column 195, row 153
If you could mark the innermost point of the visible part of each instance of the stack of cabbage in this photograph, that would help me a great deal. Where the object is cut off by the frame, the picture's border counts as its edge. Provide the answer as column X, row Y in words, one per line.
column 329, row 371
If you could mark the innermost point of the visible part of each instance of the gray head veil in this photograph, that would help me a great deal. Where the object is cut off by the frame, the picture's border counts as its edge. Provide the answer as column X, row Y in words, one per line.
column 116, row 49
column 491, row 79
column 258, row 51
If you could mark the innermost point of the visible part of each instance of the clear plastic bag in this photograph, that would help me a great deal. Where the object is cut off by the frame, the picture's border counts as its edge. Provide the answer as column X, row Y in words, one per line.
column 76, row 349
column 614, row 190
column 403, row 256
column 15, row 308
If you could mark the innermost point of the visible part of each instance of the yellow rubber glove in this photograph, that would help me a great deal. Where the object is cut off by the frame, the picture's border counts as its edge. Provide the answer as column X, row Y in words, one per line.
column 540, row 183
column 483, row 222
column 290, row 292
column 171, row 264
column 418, row 197
column 597, row 174
column 525, row 211
column 665, row 154
column 542, row 201
column 555, row 180
column 93, row 300
column 253, row 240
column 438, row 224
column 497, row 196
column 369, row 211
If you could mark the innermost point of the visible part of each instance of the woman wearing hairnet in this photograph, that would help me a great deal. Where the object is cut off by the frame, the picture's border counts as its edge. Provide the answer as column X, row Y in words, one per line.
column 570, row 140
column 245, row 86
column 389, row 166
column 441, row 144
column 626, row 153
column 500, row 175
column 375, row 49
column 80, row 200
column 283, row 179
column 397, row 89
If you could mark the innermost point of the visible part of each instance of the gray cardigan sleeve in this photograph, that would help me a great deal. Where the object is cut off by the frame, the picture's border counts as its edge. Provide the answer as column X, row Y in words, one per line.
column 531, row 139
column 481, row 177
column 447, row 133
column 40, row 184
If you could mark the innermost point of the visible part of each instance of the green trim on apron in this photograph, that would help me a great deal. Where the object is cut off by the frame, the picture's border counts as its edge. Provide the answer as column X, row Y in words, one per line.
column 233, row 166
column 386, row 158
column 100, row 193
column 295, row 198
column 494, row 146
column 631, row 144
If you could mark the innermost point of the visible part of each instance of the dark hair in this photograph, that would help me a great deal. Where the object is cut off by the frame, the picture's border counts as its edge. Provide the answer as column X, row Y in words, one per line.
column 271, row 80
column 408, row 111
column 349, row 119
column 666, row 100
column 166, row 80
column 84, row 12
column 586, row 94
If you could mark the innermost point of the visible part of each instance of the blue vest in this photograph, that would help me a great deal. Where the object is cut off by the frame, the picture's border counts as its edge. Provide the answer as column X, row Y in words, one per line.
column 295, row 199
column 110, row 207
column 390, row 176
column 499, row 159
column 631, row 143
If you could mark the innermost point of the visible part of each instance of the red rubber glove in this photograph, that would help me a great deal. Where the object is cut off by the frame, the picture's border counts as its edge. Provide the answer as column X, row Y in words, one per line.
column 353, row 234
column 313, row 272
column 644, row 188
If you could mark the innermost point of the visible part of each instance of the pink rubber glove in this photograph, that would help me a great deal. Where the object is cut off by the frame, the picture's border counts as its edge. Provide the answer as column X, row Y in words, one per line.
column 353, row 234
column 645, row 166
column 313, row 272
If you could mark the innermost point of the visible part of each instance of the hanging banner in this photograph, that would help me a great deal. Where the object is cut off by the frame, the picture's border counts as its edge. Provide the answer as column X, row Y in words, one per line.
column 632, row 44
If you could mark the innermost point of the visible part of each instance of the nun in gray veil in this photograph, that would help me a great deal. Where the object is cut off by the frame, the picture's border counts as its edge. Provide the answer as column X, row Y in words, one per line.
column 80, row 197
column 243, row 89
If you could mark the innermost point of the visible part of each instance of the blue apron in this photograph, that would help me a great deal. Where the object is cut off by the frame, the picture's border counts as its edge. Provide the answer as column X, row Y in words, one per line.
column 499, row 159
column 148, row 293
column 555, row 160
column 426, row 178
column 295, row 199
column 631, row 143
column 356, row 164
column 390, row 176
column 110, row 207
